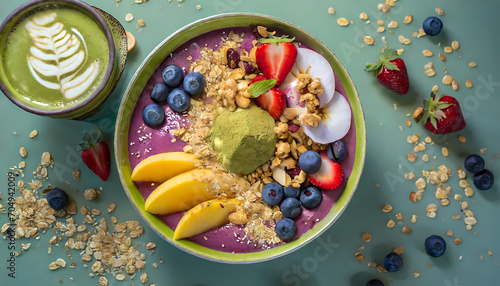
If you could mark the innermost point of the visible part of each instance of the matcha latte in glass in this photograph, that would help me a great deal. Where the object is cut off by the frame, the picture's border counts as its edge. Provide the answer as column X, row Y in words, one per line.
column 58, row 58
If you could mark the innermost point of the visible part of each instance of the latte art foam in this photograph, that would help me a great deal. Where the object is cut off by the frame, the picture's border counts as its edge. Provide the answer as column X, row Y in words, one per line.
column 58, row 58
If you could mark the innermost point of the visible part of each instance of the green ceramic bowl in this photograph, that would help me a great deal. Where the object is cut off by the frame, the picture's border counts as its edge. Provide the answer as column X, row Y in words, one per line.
column 152, row 62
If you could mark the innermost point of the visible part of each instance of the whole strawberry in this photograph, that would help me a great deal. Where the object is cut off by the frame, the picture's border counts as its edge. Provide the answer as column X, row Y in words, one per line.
column 391, row 71
column 441, row 114
column 95, row 154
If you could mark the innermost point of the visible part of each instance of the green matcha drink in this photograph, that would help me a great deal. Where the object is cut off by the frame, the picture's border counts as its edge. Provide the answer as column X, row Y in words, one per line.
column 55, row 58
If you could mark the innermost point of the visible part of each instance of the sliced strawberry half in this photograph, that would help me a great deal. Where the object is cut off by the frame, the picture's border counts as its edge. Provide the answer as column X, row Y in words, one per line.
column 330, row 176
column 275, row 57
column 274, row 101
column 95, row 154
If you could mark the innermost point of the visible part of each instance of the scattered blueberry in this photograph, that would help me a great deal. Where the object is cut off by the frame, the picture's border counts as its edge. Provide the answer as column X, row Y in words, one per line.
column 290, row 207
column 272, row 194
column 374, row 282
column 160, row 92
column 194, row 83
column 393, row 262
column 291, row 192
column 57, row 199
column 336, row 151
column 310, row 162
column 474, row 163
column 153, row 114
column 179, row 100
column 172, row 75
column 432, row 26
column 483, row 179
column 310, row 197
column 285, row 228
column 435, row 245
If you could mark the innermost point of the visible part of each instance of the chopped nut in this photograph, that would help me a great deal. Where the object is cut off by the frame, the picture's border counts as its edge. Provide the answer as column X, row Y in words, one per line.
column 366, row 237
column 359, row 256
column 342, row 22
column 457, row 241
column 129, row 17
column 391, row 223
column 141, row 23
column 380, row 22
column 455, row 45
column 103, row 281
column 144, row 278
column 414, row 218
column 469, row 191
column 445, row 152
column 470, row 220
column 23, row 152
column 427, row 53
column 111, row 208
column 447, row 79
column 439, row 11
column 408, row 19
column 33, row 134
column 406, row 230
column 90, row 194
column 468, row 83
column 76, row 174
column 448, row 50
column 442, row 57
column 331, row 11
column 411, row 157
column 418, row 114
column 454, row 85
column 369, row 40
column 392, row 24
column 416, row 274
column 386, row 208
column 363, row 16
column 472, row 64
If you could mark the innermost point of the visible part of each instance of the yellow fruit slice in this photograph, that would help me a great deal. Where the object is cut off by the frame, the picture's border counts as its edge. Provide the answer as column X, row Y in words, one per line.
column 179, row 193
column 161, row 167
column 130, row 41
column 205, row 216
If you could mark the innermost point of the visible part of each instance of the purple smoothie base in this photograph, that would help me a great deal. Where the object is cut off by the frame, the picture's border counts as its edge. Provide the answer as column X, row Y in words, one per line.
column 148, row 141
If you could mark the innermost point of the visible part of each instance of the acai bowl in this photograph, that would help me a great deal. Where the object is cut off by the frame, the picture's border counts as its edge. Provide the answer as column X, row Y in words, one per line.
column 232, row 222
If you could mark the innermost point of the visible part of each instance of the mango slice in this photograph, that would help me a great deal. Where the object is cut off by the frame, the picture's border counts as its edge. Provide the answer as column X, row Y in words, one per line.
column 179, row 193
column 205, row 216
column 161, row 167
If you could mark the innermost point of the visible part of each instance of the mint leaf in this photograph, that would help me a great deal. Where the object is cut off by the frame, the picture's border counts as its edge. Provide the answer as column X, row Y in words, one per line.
column 259, row 87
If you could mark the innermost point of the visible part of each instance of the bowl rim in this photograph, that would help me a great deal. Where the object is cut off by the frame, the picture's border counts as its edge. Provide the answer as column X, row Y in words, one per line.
column 28, row 7
column 122, row 127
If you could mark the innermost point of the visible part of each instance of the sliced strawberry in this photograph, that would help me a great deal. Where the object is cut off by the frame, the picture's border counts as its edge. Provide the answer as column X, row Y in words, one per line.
column 276, row 57
column 274, row 101
column 258, row 78
column 95, row 154
column 330, row 176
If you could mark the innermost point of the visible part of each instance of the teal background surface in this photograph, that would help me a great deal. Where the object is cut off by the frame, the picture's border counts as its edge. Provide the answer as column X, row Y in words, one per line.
column 329, row 260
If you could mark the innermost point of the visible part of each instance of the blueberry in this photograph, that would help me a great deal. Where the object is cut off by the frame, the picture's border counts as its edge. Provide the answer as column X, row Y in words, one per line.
column 172, row 75
column 160, row 92
column 310, row 162
column 57, row 199
column 393, row 262
column 179, row 100
column 310, row 197
column 194, row 83
column 272, row 194
column 290, row 207
column 336, row 151
column 291, row 192
column 374, row 282
column 474, row 163
column 153, row 114
column 483, row 179
column 285, row 228
column 432, row 26
column 435, row 245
